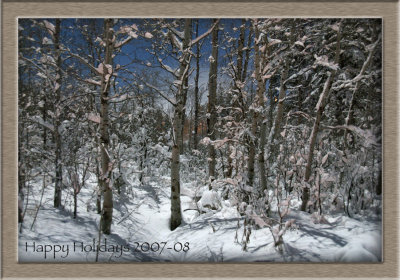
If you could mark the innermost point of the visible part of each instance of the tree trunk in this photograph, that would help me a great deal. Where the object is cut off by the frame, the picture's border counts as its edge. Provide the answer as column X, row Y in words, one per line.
column 378, row 188
column 258, row 119
column 239, row 70
column 196, row 91
column 57, row 112
column 21, row 171
column 106, row 167
column 357, row 86
column 247, row 57
column 212, row 93
column 176, row 216
column 252, row 151
column 275, row 129
column 183, row 117
column 252, row 144
column 260, row 59
column 320, row 109
column 75, row 204
column 240, row 77
column 239, row 64
column 44, row 117
column 279, row 112
column 175, row 189
column 92, row 108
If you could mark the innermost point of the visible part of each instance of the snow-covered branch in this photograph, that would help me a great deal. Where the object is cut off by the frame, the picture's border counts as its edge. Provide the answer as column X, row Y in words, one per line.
column 196, row 40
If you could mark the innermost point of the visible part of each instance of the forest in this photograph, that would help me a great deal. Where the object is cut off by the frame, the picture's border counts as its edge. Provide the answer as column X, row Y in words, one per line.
column 200, row 140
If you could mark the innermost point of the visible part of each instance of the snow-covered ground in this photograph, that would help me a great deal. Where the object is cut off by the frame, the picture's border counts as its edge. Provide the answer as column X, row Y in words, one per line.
column 140, row 231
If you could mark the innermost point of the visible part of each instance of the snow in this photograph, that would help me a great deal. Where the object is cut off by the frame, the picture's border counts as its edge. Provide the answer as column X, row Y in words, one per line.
column 323, row 60
column 91, row 81
column 126, row 40
column 56, row 86
column 223, row 218
column 335, row 26
column 133, row 34
column 40, row 121
column 47, row 41
column 272, row 42
column 210, row 200
column 119, row 98
column 299, row 43
column 109, row 68
column 94, row 118
column 148, row 35
column 363, row 248
column 41, row 75
column 134, row 26
column 50, row 27
column 142, row 215
column 99, row 69
column 99, row 40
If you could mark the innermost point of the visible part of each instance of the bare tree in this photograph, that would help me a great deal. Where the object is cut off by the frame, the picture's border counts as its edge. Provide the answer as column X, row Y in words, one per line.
column 258, row 118
column 212, row 92
column 57, row 136
column 106, row 165
column 320, row 110
column 196, row 91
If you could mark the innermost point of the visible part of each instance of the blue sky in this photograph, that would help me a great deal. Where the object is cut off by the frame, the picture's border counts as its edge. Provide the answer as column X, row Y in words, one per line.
column 135, row 55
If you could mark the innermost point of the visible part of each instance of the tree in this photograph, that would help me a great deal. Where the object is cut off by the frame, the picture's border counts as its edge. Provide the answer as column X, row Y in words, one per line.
column 106, row 166
column 211, row 112
column 320, row 109
column 196, row 91
column 57, row 88
column 181, row 45
column 258, row 108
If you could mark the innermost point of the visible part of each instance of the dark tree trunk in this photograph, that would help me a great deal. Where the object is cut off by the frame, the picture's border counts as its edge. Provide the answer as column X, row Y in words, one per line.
column 176, row 216
column 196, row 91
column 212, row 97
column 57, row 111
column 320, row 109
column 378, row 189
column 75, row 204
column 106, row 169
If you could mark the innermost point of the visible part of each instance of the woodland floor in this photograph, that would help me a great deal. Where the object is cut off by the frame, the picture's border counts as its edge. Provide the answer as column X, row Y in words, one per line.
column 142, row 215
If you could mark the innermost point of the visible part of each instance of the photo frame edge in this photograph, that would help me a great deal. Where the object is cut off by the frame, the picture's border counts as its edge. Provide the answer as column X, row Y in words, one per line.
column 10, row 267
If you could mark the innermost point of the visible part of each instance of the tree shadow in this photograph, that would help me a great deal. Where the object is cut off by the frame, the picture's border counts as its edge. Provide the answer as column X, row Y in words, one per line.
column 307, row 230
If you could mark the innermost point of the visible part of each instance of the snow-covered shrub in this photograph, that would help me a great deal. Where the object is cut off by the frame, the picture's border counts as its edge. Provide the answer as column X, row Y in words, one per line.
column 209, row 200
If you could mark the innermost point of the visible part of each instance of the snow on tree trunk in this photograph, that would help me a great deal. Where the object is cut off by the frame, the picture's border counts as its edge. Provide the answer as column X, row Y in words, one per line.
column 57, row 136
column 275, row 129
column 212, row 92
column 254, row 123
column 106, row 165
column 176, row 216
column 196, row 91
column 320, row 109
column 357, row 86
column 260, row 59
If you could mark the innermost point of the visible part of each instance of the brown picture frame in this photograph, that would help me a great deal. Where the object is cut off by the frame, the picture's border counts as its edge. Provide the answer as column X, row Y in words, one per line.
column 11, row 10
